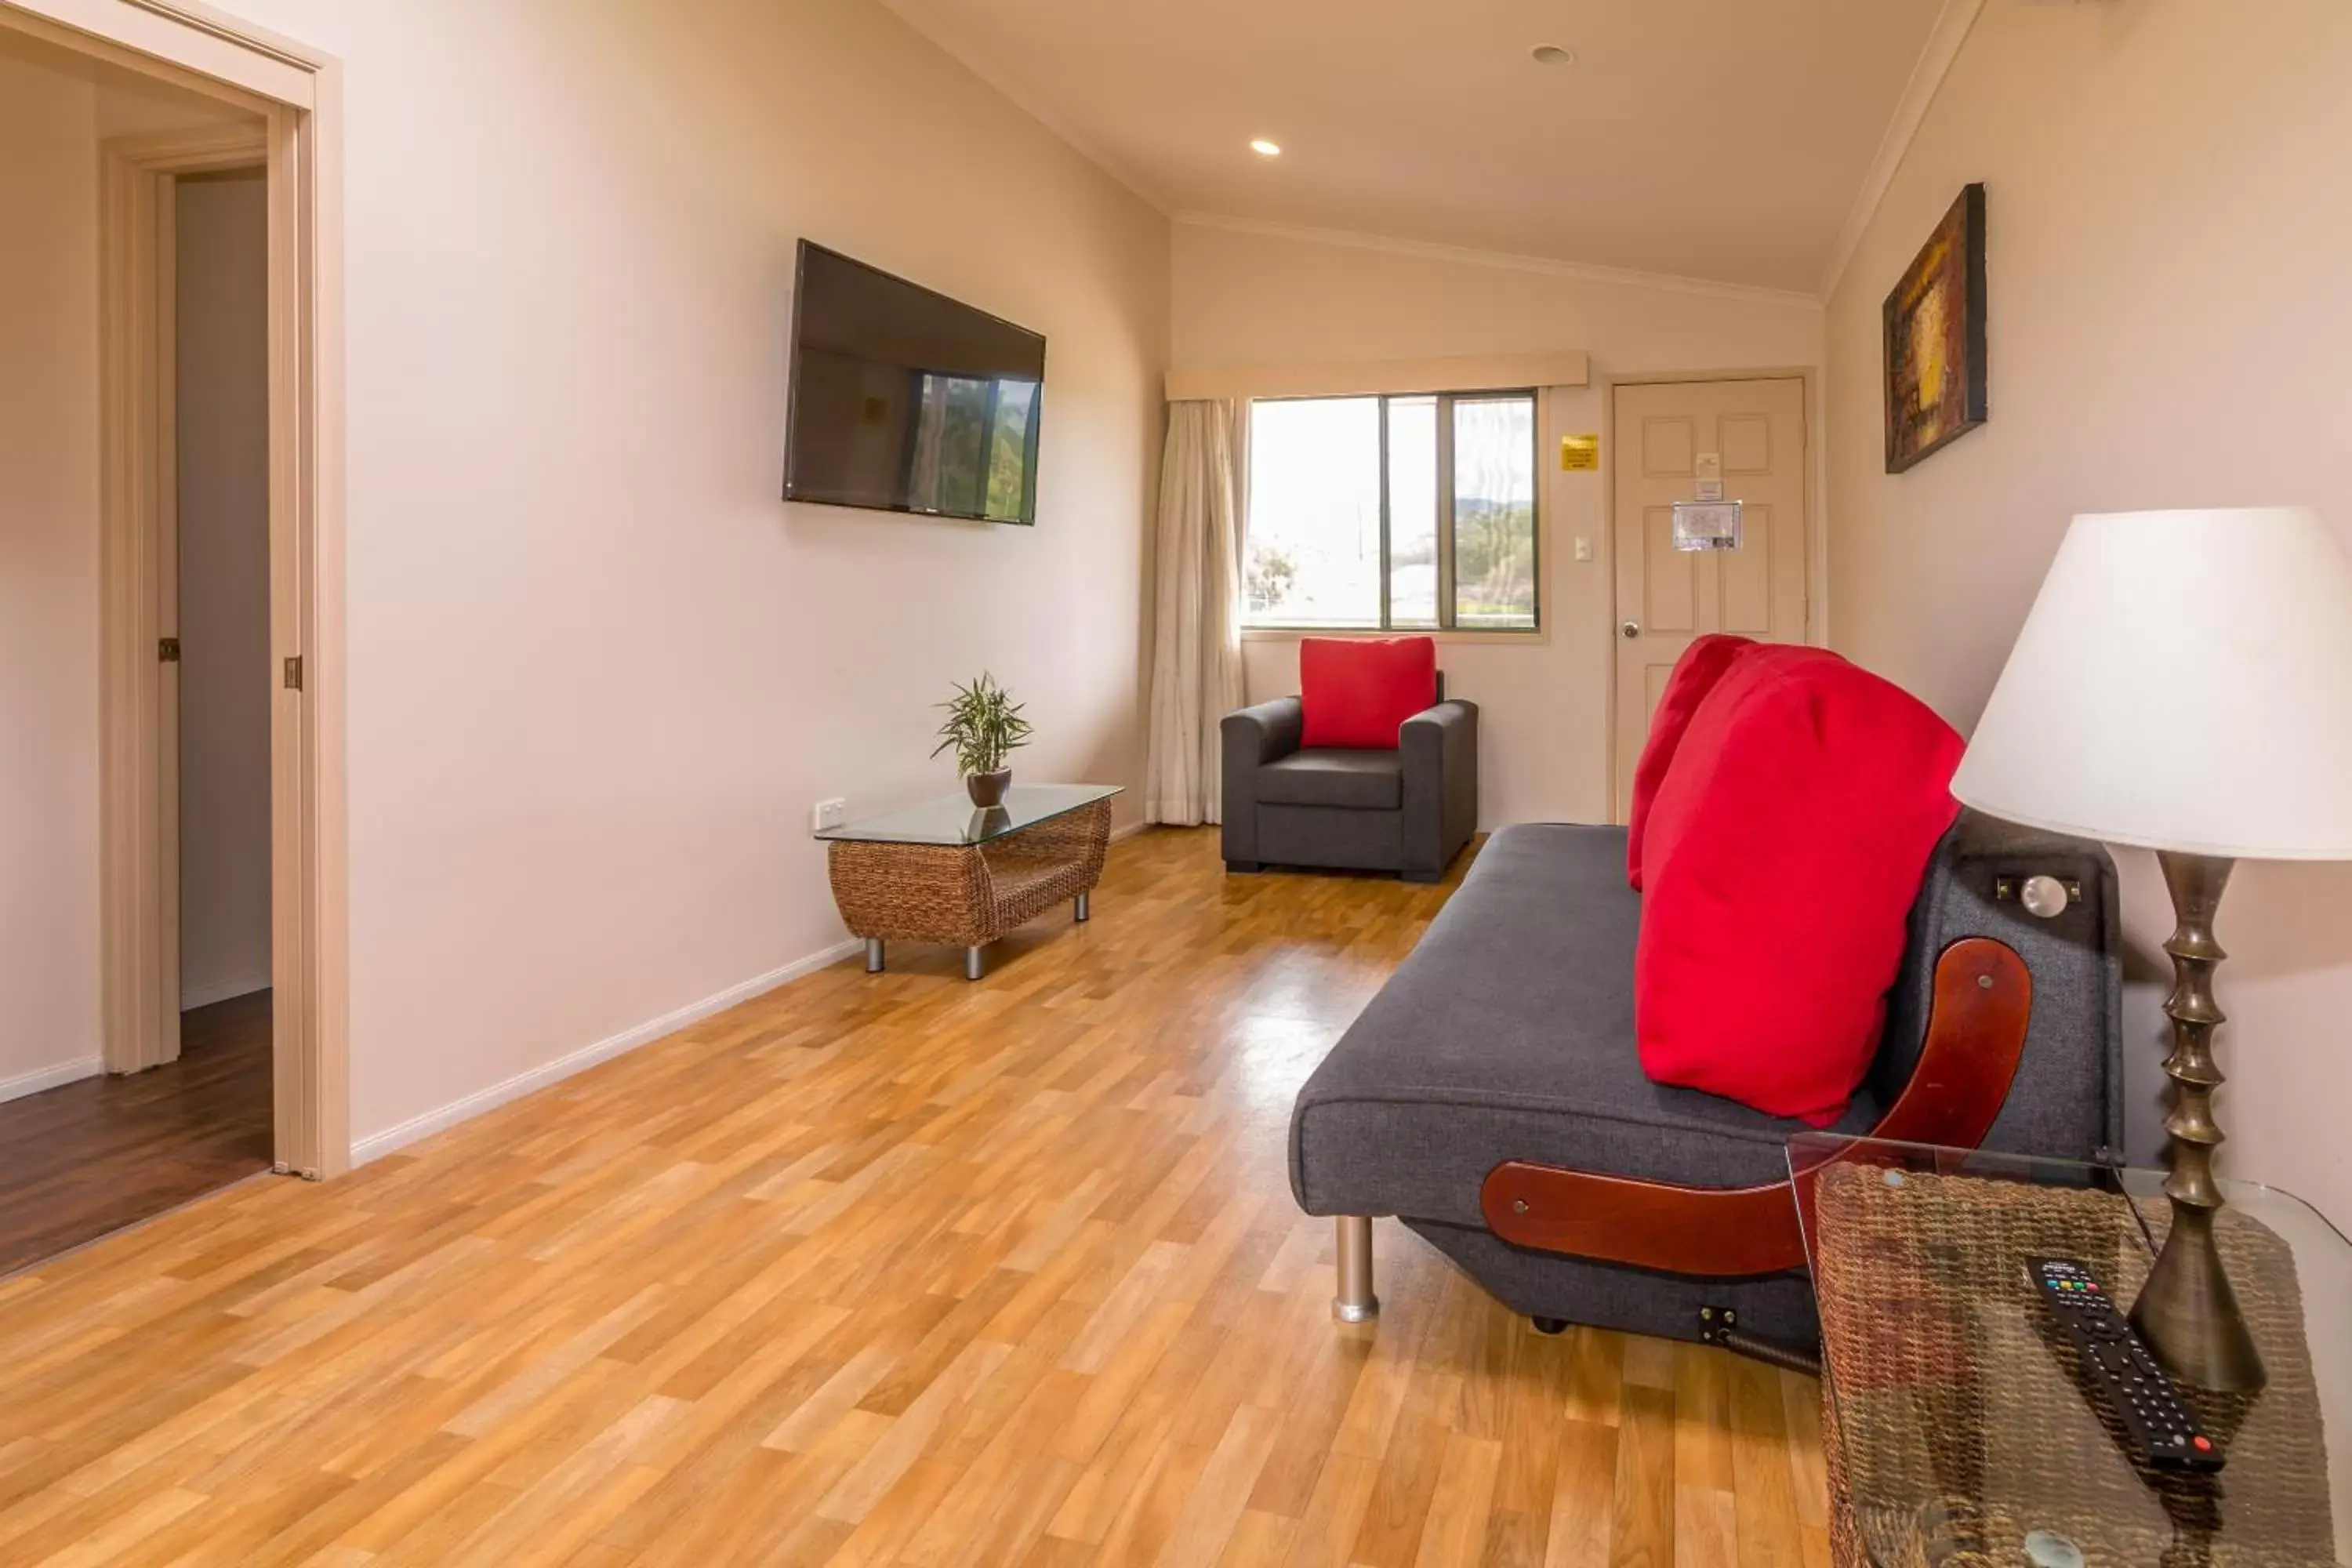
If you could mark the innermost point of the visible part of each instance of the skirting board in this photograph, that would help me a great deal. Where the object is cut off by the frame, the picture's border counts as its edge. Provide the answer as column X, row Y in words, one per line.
column 55, row 1077
column 375, row 1145
column 196, row 996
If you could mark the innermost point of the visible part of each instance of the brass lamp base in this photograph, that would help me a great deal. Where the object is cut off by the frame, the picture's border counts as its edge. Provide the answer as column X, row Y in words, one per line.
column 2187, row 1313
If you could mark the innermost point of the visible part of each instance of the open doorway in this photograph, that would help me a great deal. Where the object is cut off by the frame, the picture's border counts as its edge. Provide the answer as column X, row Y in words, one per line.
column 220, row 436
column 94, row 1138
column 214, row 587
column 207, row 93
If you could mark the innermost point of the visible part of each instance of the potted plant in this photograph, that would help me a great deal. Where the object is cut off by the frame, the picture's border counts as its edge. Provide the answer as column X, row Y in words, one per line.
column 983, row 725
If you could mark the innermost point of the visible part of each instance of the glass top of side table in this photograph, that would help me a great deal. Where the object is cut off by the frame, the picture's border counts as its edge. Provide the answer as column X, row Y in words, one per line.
column 953, row 820
column 1958, row 1422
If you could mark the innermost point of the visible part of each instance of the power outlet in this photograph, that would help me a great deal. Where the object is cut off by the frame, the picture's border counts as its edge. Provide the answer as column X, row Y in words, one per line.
column 827, row 814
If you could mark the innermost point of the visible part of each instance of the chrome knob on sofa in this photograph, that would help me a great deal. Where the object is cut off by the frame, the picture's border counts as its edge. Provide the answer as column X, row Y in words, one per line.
column 2044, row 898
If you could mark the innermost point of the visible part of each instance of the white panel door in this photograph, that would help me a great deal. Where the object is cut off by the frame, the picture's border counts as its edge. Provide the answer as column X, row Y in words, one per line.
column 1662, row 432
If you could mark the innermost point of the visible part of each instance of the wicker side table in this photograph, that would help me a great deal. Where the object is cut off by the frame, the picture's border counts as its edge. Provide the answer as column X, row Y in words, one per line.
column 1957, row 1430
column 946, row 873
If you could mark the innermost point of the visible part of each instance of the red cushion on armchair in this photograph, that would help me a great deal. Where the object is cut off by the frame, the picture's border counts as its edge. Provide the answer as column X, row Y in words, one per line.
column 1784, row 850
column 1695, row 673
column 1359, row 692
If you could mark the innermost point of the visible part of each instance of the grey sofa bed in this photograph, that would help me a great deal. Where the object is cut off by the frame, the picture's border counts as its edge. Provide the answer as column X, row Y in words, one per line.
column 1507, row 1034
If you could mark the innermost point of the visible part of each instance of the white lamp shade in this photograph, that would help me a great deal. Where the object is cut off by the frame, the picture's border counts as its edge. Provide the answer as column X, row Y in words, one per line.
column 2184, row 681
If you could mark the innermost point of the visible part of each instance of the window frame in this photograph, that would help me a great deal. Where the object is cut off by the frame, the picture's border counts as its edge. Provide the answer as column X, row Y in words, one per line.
column 1448, row 607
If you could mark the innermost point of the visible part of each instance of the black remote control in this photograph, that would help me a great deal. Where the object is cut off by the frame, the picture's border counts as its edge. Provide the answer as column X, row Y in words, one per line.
column 2161, row 1431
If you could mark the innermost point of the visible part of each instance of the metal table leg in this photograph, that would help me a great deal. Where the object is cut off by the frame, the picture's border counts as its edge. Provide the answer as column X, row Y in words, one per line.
column 1355, row 1302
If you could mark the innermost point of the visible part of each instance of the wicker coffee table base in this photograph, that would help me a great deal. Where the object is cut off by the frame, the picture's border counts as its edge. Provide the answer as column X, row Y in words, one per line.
column 967, row 895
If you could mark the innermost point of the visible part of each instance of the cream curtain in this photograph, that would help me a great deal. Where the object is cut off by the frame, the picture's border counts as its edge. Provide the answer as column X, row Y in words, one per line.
column 1196, row 657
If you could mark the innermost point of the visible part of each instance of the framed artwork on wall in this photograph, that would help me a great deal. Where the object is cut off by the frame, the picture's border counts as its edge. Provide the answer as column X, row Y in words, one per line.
column 1935, row 338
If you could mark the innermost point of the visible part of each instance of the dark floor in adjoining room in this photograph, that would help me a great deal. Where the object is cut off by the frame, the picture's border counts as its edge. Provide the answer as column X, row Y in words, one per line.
column 80, row 1161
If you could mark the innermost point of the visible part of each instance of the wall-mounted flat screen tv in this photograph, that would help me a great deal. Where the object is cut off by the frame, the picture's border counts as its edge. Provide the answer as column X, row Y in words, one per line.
column 904, row 400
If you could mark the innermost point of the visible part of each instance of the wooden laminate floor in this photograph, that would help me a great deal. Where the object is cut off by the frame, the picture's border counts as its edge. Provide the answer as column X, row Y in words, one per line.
column 886, row 1270
column 87, row 1158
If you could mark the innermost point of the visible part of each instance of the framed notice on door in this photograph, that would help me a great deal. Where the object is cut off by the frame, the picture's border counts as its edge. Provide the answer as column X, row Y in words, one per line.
column 1706, row 525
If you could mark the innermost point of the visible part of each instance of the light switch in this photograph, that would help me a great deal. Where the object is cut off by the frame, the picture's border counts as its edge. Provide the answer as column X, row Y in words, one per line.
column 1584, row 548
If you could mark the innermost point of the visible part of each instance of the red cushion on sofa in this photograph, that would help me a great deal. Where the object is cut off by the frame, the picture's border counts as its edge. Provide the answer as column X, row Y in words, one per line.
column 1695, row 673
column 1359, row 692
column 1784, row 850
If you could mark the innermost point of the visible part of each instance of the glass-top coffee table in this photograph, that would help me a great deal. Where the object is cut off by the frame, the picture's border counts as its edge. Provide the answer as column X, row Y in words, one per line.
column 947, row 871
column 1956, row 1427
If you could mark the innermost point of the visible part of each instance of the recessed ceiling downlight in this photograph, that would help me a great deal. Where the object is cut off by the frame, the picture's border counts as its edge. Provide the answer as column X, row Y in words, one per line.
column 1553, row 55
column 1266, row 149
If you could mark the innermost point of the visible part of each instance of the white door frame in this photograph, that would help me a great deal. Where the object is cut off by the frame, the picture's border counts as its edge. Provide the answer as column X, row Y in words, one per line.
column 296, row 92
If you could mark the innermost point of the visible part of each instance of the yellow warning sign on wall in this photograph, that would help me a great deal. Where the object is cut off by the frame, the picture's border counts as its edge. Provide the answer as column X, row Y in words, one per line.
column 1580, row 453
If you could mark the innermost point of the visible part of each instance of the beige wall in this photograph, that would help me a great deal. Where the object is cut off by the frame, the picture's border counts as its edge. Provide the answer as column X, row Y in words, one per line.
column 48, row 578
column 1251, row 298
column 598, row 672
column 223, row 408
column 2168, row 220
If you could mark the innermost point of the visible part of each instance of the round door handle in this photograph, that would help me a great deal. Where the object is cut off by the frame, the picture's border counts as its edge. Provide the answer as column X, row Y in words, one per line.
column 1629, row 630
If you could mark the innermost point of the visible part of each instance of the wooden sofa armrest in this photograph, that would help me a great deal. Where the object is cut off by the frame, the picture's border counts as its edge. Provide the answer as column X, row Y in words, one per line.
column 1975, row 1038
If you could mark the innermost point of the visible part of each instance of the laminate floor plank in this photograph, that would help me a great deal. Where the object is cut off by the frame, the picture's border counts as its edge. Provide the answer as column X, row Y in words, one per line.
column 878, row 1270
column 90, row 1157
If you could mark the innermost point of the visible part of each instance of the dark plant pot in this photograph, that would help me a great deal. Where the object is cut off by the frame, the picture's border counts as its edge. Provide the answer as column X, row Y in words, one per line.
column 988, row 789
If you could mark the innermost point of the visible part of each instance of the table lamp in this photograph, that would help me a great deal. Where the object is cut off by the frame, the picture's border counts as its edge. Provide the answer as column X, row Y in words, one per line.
column 2183, row 683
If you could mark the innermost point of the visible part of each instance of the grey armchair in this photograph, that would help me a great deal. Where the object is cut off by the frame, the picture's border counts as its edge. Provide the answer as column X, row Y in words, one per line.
column 1409, row 810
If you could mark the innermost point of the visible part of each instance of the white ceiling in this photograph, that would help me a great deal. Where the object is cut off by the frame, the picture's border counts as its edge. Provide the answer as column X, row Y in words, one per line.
column 1716, row 138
